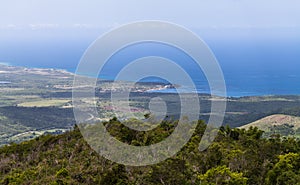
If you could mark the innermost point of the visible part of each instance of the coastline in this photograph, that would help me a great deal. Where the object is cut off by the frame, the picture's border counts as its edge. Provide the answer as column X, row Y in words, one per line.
column 231, row 90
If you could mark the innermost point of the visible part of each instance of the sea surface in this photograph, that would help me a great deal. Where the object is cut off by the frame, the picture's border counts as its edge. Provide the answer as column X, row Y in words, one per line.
column 250, row 68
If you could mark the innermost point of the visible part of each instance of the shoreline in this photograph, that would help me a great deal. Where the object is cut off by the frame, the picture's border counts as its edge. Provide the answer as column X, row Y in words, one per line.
column 166, row 90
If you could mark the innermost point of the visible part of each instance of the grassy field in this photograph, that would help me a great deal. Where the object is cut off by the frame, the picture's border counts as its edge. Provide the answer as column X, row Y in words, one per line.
column 45, row 103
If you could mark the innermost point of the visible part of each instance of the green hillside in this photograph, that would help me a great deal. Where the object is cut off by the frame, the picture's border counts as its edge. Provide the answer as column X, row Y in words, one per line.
column 237, row 156
column 285, row 125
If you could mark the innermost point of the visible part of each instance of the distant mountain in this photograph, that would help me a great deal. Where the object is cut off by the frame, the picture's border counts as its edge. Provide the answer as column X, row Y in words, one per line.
column 285, row 125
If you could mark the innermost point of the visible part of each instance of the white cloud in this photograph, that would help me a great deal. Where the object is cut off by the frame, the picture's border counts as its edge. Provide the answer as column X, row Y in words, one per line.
column 43, row 26
column 9, row 27
column 4, row 63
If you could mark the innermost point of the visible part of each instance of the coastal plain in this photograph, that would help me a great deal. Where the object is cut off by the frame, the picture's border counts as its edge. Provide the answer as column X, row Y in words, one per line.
column 37, row 101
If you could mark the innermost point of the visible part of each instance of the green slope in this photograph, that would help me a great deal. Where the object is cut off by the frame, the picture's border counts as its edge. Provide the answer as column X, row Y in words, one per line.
column 285, row 125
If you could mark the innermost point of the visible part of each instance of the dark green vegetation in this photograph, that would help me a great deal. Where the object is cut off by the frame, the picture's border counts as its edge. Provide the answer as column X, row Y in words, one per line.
column 239, row 111
column 37, row 117
column 16, row 121
column 254, row 108
column 236, row 157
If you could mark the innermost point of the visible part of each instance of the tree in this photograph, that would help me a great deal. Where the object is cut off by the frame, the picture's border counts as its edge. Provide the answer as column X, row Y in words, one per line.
column 222, row 175
column 285, row 171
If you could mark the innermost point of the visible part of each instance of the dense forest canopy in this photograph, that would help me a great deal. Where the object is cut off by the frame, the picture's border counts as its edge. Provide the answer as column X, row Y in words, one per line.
column 237, row 156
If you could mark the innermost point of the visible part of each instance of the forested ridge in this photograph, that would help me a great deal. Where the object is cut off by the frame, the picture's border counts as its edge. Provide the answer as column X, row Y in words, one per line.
column 237, row 156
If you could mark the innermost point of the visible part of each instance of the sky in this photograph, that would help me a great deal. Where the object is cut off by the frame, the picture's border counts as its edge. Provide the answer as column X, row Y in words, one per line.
column 54, row 14
column 51, row 27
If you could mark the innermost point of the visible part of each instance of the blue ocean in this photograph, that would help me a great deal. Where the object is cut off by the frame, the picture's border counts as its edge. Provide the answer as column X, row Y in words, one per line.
column 250, row 67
